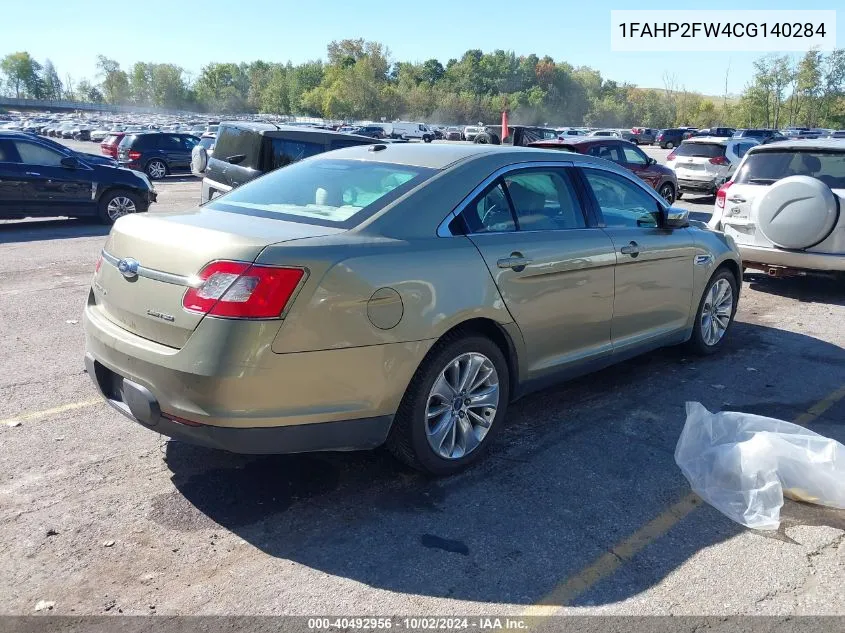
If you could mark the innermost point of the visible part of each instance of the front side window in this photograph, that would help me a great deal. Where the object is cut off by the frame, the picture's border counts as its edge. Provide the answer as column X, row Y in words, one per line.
column 326, row 192
column 633, row 156
column 622, row 202
column 544, row 200
column 32, row 154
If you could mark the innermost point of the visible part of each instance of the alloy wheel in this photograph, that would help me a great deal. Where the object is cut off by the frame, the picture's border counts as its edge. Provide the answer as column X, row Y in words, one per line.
column 716, row 312
column 668, row 193
column 462, row 405
column 157, row 169
column 120, row 206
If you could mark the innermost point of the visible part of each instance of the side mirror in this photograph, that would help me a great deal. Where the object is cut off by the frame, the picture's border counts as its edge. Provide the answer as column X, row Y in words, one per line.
column 675, row 218
column 652, row 161
column 70, row 162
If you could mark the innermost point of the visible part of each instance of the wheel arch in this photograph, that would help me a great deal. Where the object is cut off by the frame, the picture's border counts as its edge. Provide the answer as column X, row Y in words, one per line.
column 496, row 333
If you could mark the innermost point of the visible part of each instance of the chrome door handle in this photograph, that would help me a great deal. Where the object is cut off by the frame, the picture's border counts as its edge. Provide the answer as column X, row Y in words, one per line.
column 515, row 262
column 32, row 173
column 632, row 249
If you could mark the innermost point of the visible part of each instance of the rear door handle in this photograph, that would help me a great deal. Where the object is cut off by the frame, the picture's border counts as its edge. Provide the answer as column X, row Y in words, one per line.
column 515, row 262
column 632, row 249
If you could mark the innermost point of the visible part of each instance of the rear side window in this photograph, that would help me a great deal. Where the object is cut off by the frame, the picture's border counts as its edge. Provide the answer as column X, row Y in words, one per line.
column 544, row 201
column 236, row 142
column 764, row 168
column 139, row 141
column 700, row 150
column 284, row 152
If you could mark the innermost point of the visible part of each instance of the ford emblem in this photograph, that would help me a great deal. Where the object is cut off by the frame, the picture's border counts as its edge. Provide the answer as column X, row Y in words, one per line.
column 128, row 267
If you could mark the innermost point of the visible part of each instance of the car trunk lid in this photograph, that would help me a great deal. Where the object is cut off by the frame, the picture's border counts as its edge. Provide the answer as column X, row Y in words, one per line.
column 169, row 250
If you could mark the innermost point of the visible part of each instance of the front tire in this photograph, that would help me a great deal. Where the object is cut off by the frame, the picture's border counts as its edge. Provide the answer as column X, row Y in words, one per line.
column 115, row 204
column 454, row 406
column 715, row 314
column 667, row 192
column 156, row 169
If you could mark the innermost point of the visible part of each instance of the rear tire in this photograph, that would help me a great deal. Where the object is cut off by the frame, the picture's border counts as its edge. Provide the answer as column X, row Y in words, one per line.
column 669, row 145
column 409, row 438
column 115, row 204
column 482, row 139
column 710, row 306
column 156, row 169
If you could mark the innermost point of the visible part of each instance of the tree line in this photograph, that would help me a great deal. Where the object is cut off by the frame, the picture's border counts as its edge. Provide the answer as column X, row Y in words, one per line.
column 359, row 80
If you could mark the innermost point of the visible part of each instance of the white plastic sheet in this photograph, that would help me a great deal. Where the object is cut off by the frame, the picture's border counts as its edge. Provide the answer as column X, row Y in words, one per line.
column 744, row 465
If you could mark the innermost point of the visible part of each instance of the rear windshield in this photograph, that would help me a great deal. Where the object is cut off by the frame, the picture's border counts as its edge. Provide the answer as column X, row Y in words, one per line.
column 327, row 192
column 236, row 142
column 764, row 168
column 702, row 150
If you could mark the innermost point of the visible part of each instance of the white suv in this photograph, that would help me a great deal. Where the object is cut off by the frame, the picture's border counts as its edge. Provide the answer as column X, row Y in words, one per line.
column 785, row 207
column 703, row 164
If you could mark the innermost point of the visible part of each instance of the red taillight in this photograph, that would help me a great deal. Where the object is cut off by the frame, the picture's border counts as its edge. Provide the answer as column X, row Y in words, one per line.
column 722, row 194
column 671, row 156
column 133, row 155
column 720, row 160
column 242, row 291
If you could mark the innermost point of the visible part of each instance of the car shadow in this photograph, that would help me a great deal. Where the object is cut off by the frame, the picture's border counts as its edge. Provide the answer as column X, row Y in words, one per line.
column 577, row 469
column 809, row 288
column 41, row 229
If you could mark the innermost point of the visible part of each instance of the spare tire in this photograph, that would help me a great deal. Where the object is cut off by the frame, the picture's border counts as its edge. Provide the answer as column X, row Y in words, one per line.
column 199, row 160
column 797, row 212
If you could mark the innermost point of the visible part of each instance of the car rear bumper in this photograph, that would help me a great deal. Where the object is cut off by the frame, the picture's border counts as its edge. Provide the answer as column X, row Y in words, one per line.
column 138, row 404
column 212, row 189
column 706, row 185
column 799, row 260
column 235, row 393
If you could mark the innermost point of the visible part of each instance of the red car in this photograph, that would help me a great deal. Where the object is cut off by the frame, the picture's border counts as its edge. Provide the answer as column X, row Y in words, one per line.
column 623, row 153
column 109, row 145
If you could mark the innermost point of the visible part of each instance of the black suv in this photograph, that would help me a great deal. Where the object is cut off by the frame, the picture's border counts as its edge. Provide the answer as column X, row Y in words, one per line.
column 764, row 135
column 157, row 154
column 518, row 135
column 38, row 180
column 245, row 151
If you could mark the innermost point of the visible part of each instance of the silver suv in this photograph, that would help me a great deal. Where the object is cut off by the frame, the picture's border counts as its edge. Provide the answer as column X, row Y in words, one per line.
column 784, row 206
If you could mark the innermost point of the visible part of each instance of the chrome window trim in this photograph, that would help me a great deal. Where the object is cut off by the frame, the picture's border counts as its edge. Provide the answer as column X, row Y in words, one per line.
column 157, row 275
column 443, row 227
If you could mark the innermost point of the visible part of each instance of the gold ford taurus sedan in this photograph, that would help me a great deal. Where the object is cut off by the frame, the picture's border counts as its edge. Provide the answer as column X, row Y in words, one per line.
column 401, row 294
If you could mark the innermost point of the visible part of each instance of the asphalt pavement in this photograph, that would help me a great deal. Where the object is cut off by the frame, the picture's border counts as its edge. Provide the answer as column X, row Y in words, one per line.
column 579, row 509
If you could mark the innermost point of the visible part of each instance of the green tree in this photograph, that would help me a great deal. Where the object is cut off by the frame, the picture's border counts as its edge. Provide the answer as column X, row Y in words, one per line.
column 52, row 84
column 22, row 74
column 115, row 82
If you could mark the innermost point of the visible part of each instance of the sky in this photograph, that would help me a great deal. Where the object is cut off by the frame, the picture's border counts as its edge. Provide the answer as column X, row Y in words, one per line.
column 191, row 34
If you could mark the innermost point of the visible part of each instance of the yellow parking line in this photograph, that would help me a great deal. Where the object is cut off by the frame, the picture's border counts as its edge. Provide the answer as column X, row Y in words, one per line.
column 35, row 415
column 607, row 564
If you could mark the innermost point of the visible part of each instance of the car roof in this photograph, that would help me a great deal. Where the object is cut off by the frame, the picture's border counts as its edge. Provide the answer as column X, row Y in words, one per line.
column 442, row 156
column 824, row 144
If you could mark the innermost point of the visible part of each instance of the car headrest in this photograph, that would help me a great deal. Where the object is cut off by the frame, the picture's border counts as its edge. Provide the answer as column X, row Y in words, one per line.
column 811, row 163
